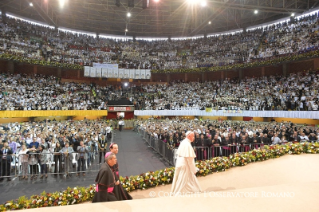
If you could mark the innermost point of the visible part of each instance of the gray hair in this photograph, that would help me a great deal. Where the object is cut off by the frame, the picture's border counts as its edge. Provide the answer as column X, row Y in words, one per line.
column 109, row 157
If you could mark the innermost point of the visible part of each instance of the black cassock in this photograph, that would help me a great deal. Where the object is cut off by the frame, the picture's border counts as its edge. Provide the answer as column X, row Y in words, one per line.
column 105, row 181
column 119, row 191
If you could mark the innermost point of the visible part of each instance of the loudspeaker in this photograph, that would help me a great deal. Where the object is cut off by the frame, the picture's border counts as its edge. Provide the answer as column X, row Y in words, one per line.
column 146, row 4
column 130, row 3
column 117, row 3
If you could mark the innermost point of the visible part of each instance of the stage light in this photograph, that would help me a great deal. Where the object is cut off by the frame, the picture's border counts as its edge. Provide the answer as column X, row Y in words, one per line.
column 256, row 11
column 31, row 4
column 292, row 14
column 209, row 22
column 126, row 30
column 61, row 3
column 126, row 84
column 128, row 14
column 192, row 1
column 156, row 1
column 203, row 3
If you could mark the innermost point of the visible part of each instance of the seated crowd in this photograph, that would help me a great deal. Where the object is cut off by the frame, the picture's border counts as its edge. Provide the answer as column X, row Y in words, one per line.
column 294, row 92
column 26, row 40
column 49, row 93
column 51, row 144
column 230, row 135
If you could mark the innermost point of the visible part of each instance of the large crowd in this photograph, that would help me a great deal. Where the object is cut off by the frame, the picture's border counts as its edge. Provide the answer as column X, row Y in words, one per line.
column 27, row 40
column 215, row 134
column 53, row 144
column 20, row 92
column 294, row 92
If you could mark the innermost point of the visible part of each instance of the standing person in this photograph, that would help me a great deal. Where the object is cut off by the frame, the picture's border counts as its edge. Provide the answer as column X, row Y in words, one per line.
column 57, row 158
column 121, row 124
column 68, row 156
column 43, row 159
column 23, row 158
column 105, row 180
column 82, row 157
column 33, row 162
column 6, row 157
column 119, row 192
column 102, row 144
column 185, row 171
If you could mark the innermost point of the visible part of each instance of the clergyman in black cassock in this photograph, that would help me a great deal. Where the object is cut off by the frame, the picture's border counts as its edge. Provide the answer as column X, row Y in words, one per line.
column 105, row 181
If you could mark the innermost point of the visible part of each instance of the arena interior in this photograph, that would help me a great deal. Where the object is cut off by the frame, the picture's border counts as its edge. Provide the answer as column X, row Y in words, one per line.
column 80, row 78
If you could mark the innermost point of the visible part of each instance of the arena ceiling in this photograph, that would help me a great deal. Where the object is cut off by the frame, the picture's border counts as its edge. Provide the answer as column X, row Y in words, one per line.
column 165, row 18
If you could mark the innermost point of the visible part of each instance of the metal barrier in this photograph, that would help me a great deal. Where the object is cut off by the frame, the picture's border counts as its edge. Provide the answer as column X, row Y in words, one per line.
column 202, row 153
column 53, row 163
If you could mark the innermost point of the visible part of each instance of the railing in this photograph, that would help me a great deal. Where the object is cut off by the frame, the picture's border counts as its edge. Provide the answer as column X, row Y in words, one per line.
column 53, row 163
column 167, row 152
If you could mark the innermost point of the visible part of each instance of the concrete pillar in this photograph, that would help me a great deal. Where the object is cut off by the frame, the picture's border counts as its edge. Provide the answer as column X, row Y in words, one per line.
column 168, row 78
column 10, row 67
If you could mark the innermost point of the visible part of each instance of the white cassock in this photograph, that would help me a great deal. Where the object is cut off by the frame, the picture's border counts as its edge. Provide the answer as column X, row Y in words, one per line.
column 185, row 180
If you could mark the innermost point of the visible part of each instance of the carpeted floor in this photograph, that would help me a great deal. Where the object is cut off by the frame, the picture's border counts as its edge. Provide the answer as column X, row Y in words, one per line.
column 289, row 183
column 134, row 158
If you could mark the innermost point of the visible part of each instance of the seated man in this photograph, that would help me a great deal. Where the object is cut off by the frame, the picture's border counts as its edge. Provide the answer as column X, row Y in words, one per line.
column 105, row 180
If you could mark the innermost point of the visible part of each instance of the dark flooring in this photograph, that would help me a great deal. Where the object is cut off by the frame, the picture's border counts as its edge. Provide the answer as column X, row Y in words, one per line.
column 134, row 158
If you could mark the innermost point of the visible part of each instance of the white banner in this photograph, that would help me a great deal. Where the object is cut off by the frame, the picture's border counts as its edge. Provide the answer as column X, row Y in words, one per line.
column 93, row 72
column 148, row 73
column 245, row 113
column 104, row 72
column 87, row 71
column 142, row 73
column 121, row 73
column 98, row 72
column 132, row 73
column 115, row 73
column 127, row 73
column 106, row 65
column 137, row 74
column 110, row 73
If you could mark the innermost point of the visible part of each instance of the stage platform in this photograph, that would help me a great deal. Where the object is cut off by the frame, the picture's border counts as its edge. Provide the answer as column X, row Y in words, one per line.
column 289, row 183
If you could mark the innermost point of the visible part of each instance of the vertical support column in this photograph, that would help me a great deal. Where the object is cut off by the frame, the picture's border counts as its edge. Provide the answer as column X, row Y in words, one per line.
column 185, row 77
column 35, row 69
column 168, row 78
column 316, row 63
column 222, row 75
column 263, row 71
column 240, row 74
column 59, row 72
column 284, row 69
column 78, row 74
column 204, row 76
column 10, row 67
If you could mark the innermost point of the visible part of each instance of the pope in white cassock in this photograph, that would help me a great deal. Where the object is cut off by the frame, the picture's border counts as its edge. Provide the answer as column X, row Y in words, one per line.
column 185, row 180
